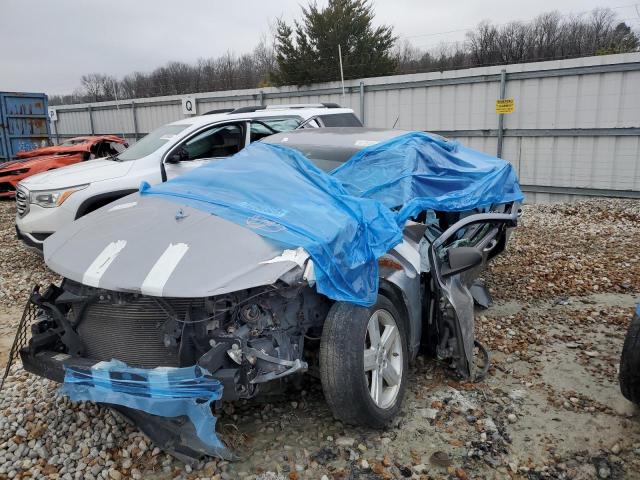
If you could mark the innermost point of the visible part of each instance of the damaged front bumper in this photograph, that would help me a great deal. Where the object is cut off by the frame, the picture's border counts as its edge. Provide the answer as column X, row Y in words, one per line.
column 188, row 438
column 175, row 434
column 173, row 406
column 72, row 333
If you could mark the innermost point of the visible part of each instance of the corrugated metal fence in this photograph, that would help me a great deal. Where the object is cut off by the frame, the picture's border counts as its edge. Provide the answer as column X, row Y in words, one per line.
column 575, row 130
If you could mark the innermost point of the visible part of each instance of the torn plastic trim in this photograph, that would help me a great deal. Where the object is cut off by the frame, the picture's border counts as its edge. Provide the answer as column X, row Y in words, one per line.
column 300, row 257
column 163, row 392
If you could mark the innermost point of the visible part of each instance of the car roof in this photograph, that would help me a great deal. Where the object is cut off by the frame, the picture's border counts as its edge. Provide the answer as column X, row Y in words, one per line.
column 305, row 112
column 329, row 147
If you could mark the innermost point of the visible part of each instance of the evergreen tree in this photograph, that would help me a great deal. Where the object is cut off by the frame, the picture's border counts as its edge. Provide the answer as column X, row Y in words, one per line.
column 307, row 52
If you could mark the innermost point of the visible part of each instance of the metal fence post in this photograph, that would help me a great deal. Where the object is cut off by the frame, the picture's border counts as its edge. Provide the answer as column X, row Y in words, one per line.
column 261, row 98
column 55, row 132
column 135, row 120
column 90, row 119
column 362, row 101
column 503, row 89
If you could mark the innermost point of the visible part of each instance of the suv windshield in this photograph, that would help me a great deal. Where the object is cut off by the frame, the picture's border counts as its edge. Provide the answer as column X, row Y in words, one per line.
column 151, row 142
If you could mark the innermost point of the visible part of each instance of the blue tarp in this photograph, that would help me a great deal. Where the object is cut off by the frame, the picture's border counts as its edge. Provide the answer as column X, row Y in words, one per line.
column 167, row 392
column 280, row 194
column 347, row 219
column 418, row 171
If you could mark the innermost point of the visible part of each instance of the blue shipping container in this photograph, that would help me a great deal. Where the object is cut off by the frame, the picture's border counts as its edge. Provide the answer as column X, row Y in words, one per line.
column 24, row 123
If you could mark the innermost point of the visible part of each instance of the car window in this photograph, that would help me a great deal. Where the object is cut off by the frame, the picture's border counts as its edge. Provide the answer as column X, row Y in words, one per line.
column 106, row 149
column 216, row 142
column 258, row 131
column 340, row 120
column 264, row 127
column 115, row 147
column 152, row 142
column 311, row 123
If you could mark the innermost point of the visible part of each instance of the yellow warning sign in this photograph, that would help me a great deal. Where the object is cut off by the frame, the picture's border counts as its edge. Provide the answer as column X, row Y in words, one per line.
column 505, row 105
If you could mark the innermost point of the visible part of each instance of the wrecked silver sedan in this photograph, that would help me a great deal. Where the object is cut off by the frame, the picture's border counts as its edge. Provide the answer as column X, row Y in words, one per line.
column 238, row 277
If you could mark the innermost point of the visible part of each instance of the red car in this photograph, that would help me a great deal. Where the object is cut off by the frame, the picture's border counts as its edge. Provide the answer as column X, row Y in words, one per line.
column 74, row 150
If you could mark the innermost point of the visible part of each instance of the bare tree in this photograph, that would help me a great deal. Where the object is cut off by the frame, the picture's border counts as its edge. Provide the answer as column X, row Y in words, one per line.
column 548, row 36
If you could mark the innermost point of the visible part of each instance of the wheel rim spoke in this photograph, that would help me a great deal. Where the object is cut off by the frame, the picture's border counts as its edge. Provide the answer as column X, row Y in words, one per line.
column 390, row 375
column 389, row 335
column 374, row 331
column 369, row 360
column 376, row 386
column 383, row 358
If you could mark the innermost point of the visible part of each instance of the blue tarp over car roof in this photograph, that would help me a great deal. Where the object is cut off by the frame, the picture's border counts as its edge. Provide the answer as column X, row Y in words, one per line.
column 419, row 171
column 347, row 219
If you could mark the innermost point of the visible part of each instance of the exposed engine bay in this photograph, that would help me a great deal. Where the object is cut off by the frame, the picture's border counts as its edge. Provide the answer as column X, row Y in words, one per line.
column 244, row 338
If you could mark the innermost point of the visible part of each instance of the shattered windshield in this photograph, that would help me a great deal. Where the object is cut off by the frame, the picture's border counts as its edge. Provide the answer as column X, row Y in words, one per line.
column 151, row 142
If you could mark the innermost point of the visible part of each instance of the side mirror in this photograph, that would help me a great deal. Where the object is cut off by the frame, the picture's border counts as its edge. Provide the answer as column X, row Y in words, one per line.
column 177, row 156
column 461, row 259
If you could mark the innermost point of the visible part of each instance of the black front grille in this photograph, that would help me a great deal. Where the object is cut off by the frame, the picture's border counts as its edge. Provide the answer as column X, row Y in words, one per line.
column 22, row 202
column 131, row 332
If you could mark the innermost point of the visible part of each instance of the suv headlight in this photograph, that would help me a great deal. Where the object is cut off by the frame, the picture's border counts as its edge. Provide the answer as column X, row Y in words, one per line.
column 53, row 198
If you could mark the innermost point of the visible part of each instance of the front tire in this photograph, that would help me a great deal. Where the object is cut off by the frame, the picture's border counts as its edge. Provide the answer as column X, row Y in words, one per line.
column 364, row 362
column 630, row 361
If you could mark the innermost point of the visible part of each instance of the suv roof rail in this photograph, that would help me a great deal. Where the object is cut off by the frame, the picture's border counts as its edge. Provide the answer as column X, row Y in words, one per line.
column 303, row 105
column 219, row 110
column 255, row 108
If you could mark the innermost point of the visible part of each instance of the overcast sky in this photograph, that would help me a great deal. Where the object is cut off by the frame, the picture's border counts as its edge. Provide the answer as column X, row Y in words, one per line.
column 46, row 45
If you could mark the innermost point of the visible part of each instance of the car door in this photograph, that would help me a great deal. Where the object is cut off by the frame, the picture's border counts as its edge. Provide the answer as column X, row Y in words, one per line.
column 204, row 146
column 455, row 257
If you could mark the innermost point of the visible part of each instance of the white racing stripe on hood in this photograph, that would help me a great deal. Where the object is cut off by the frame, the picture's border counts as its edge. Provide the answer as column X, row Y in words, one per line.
column 94, row 273
column 159, row 274
column 122, row 206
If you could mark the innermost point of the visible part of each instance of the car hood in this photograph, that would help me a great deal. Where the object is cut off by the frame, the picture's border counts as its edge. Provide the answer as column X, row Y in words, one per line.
column 151, row 246
column 78, row 174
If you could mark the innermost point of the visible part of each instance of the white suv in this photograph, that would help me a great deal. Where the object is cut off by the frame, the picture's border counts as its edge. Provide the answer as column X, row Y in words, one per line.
column 50, row 200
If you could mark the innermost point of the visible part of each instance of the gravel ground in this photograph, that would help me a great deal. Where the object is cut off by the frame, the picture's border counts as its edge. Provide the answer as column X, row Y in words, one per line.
column 20, row 267
column 549, row 408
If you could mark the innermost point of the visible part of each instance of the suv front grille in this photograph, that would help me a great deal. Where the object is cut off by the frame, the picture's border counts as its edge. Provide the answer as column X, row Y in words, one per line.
column 22, row 201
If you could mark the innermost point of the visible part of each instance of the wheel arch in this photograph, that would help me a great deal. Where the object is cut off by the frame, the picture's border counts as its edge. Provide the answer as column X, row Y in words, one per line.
column 93, row 203
column 405, row 308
